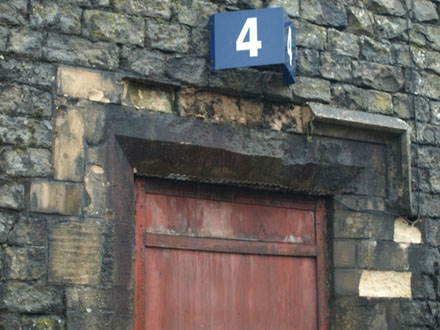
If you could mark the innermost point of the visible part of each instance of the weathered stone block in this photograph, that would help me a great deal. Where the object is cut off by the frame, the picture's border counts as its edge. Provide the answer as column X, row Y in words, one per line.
column 382, row 77
column 7, row 223
column 3, row 37
column 88, row 84
column 154, row 8
column 374, row 51
column 387, row 27
column 324, row 13
column 25, row 42
column 56, row 197
column 190, row 70
column 95, row 124
column 418, row 35
column 360, row 21
column 29, row 162
column 402, row 104
column 344, row 253
column 309, row 89
column 23, row 132
column 240, row 82
column 195, row 12
column 432, row 232
column 15, row 99
column 307, row 62
column 429, row 156
column 405, row 233
column 310, row 35
column 433, row 35
column 81, row 298
column 96, row 187
column 167, row 36
column 28, row 298
column 435, row 113
column 28, row 72
column 343, row 43
column 11, row 195
column 147, row 97
column 13, row 11
column 401, row 55
column 9, row 321
column 387, row 7
column 69, row 145
column 93, row 321
column 28, row 231
column 381, row 284
column 144, row 62
column 426, row 59
column 424, row 259
column 423, row 287
column 290, row 6
column 46, row 322
column 336, row 67
column 350, row 224
column 346, row 282
column 424, row 11
column 101, row 25
column 25, row 263
column 430, row 205
column 78, row 51
column 382, row 255
column 74, row 255
column 60, row 16
column 283, row 118
column 434, row 179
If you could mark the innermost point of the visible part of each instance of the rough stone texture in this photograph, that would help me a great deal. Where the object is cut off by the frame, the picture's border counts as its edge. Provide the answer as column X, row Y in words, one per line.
column 167, row 37
column 25, row 263
column 323, row 13
column 40, row 74
column 374, row 51
column 69, row 146
column 360, row 21
column 53, row 197
column 22, row 99
column 346, row 282
column 382, row 77
column 56, row 16
column 390, row 27
column 290, row 6
column 424, row 10
column 336, row 67
column 379, row 284
column 144, row 62
column 11, row 195
column 100, row 25
column 30, row 162
column 382, row 255
column 74, row 252
column 343, row 43
column 307, row 62
column 188, row 70
column 13, row 11
column 312, row 89
column 3, row 37
column 387, row 7
column 344, row 255
column 154, row 8
column 25, row 42
column 310, row 35
column 405, row 233
column 195, row 13
column 87, row 84
column 146, row 97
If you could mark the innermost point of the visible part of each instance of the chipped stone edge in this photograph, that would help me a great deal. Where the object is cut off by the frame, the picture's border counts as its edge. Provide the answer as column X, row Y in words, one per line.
column 374, row 122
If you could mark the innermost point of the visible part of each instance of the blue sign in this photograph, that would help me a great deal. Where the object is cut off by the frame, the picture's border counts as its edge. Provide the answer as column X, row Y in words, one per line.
column 253, row 38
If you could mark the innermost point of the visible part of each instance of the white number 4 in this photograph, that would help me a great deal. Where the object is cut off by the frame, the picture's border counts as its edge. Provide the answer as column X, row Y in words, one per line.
column 253, row 45
column 289, row 46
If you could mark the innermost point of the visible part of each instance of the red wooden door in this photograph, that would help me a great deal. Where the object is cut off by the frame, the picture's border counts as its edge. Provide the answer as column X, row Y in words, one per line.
column 223, row 259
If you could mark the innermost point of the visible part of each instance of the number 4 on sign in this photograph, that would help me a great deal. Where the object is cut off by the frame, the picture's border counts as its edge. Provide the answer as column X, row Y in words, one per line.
column 253, row 45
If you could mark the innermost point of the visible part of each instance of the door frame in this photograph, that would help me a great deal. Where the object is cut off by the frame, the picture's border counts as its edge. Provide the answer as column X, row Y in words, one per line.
column 228, row 194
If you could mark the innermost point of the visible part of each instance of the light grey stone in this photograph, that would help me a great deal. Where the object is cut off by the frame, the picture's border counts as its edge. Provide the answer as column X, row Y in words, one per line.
column 22, row 99
column 335, row 67
column 323, row 13
column 343, row 43
column 11, row 195
column 13, row 11
column 168, row 36
column 427, row 84
column 401, row 55
column 60, row 16
column 433, row 36
column 3, row 37
column 311, row 89
column 30, row 162
column 142, row 61
column 435, row 113
column 424, row 10
column 7, row 223
column 290, row 6
column 307, row 62
column 42, row 74
column 360, row 21
column 310, row 35
column 382, row 77
column 193, row 71
column 387, row 7
column 153, row 8
column 25, row 42
column 194, row 12
column 374, row 51
column 426, row 59
column 387, row 27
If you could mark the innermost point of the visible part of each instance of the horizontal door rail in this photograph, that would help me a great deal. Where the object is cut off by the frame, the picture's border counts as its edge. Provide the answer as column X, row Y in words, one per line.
column 229, row 245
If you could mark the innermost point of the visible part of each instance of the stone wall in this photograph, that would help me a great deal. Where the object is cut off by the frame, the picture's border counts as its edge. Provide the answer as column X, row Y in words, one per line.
column 65, row 66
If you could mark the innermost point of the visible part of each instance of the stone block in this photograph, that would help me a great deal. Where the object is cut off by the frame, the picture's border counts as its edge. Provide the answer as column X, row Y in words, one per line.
column 24, row 297
column 386, row 7
column 406, row 233
column 324, row 13
column 56, row 197
column 378, row 76
column 418, row 35
column 374, row 51
column 430, row 205
column 9, row 321
column 29, row 162
column 200, row 42
column 195, row 12
column 147, row 97
column 343, row 43
column 307, row 63
column 11, row 195
column 344, row 253
column 167, row 36
column 45, row 322
column 346, row 282
column 32, row 73
column 82, row 298
column 426, row 59
column 382, row 255
column 434, row 180
column 310, row 35
column 4, row 32
column 93, row 321
column 95, row 124
column 402, row 104
column 28, row 231
column 7, row 223
column 424, row 11
column 13, row 12
column 435, row 113
column 69, row 145
column 283, row 118
column 429, row 156
column 153, row 8
column 335, row 66
column 96, row 187
column 432, row 232
column 143, row 62
column 16, row 99
column 25, row 42
column 290, row 6
column 102, row 25
column 240, row 82
column 58, row 16
column 190, row 70
column 349, row 224
column 74, row 255
column 388, row 27
column 23, row 132
column 311, row 89
column 78, row 51
column 385, row 284
column 423, row 287
column 360, row 21
column 433, row 35
column 400, row 54
column 88, row 84
column 25, row 263
column 275, row 88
